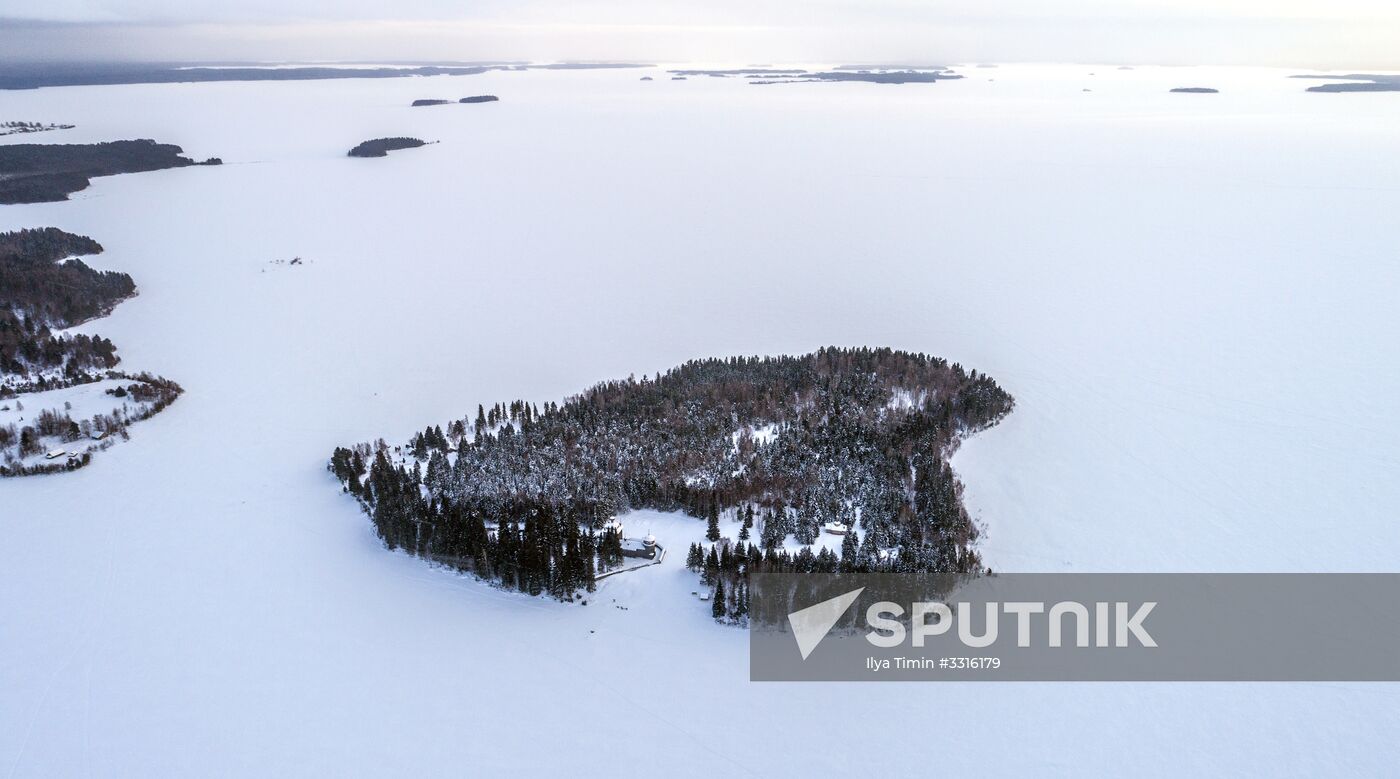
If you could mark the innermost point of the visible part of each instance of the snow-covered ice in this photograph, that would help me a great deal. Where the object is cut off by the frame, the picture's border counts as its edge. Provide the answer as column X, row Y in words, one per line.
column 1193, row 301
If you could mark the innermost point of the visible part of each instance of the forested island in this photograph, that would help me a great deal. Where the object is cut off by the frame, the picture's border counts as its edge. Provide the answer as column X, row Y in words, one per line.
column 523, row 495
column 1196, row 90
column 41, row 173
column 424, row 102
column 43, row 286
column 380, row 147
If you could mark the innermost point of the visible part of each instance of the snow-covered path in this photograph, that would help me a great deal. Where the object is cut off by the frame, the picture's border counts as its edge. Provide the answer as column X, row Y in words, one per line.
column 1193, row 302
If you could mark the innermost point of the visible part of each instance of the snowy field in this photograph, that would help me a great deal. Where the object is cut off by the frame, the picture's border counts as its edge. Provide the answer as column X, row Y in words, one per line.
column 1193, row 298
column 80, row 402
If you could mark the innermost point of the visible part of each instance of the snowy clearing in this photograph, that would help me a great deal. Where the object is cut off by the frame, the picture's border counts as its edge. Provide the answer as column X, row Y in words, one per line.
column 80, row 401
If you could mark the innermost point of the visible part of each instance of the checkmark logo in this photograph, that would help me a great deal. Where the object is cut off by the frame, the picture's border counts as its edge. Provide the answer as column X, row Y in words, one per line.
column 810, row 625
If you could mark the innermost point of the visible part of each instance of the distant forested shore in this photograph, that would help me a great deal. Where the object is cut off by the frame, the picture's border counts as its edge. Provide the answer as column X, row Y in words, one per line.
column 871, row 75
column 24, row 128
column 36, row 75
column 1356, row 82
column 42, row 172
column 45, row 287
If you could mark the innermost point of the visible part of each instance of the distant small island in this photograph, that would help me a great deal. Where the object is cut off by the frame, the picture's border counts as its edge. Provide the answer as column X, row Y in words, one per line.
column 1197, row 90
column 43, row 173
column 473, row 99
column 380, row 147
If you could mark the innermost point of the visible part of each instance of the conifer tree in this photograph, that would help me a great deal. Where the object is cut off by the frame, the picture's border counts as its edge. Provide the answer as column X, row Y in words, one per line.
column 850, row 551
column 695, row 558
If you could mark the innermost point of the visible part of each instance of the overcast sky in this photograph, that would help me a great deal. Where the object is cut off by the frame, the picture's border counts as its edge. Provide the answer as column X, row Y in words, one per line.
column 1344, row 34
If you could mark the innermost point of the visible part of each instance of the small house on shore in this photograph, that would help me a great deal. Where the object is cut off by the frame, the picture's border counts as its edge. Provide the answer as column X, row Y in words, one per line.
column 644, row 548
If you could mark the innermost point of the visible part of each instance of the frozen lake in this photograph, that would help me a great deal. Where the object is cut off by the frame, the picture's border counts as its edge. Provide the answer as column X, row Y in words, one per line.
column 1193, row 298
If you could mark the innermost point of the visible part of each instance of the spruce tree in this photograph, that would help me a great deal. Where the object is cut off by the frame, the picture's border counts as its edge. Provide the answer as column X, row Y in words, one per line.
column 850, row 551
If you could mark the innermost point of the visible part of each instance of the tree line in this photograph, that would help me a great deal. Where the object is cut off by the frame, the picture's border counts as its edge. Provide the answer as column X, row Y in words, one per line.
column 38, row 292
column 46, row 172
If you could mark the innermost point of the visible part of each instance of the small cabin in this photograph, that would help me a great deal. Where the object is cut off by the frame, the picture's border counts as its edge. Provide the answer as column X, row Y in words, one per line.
column 98, row 435
column 54, row 454
column 836, row 528
column 632, row 547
